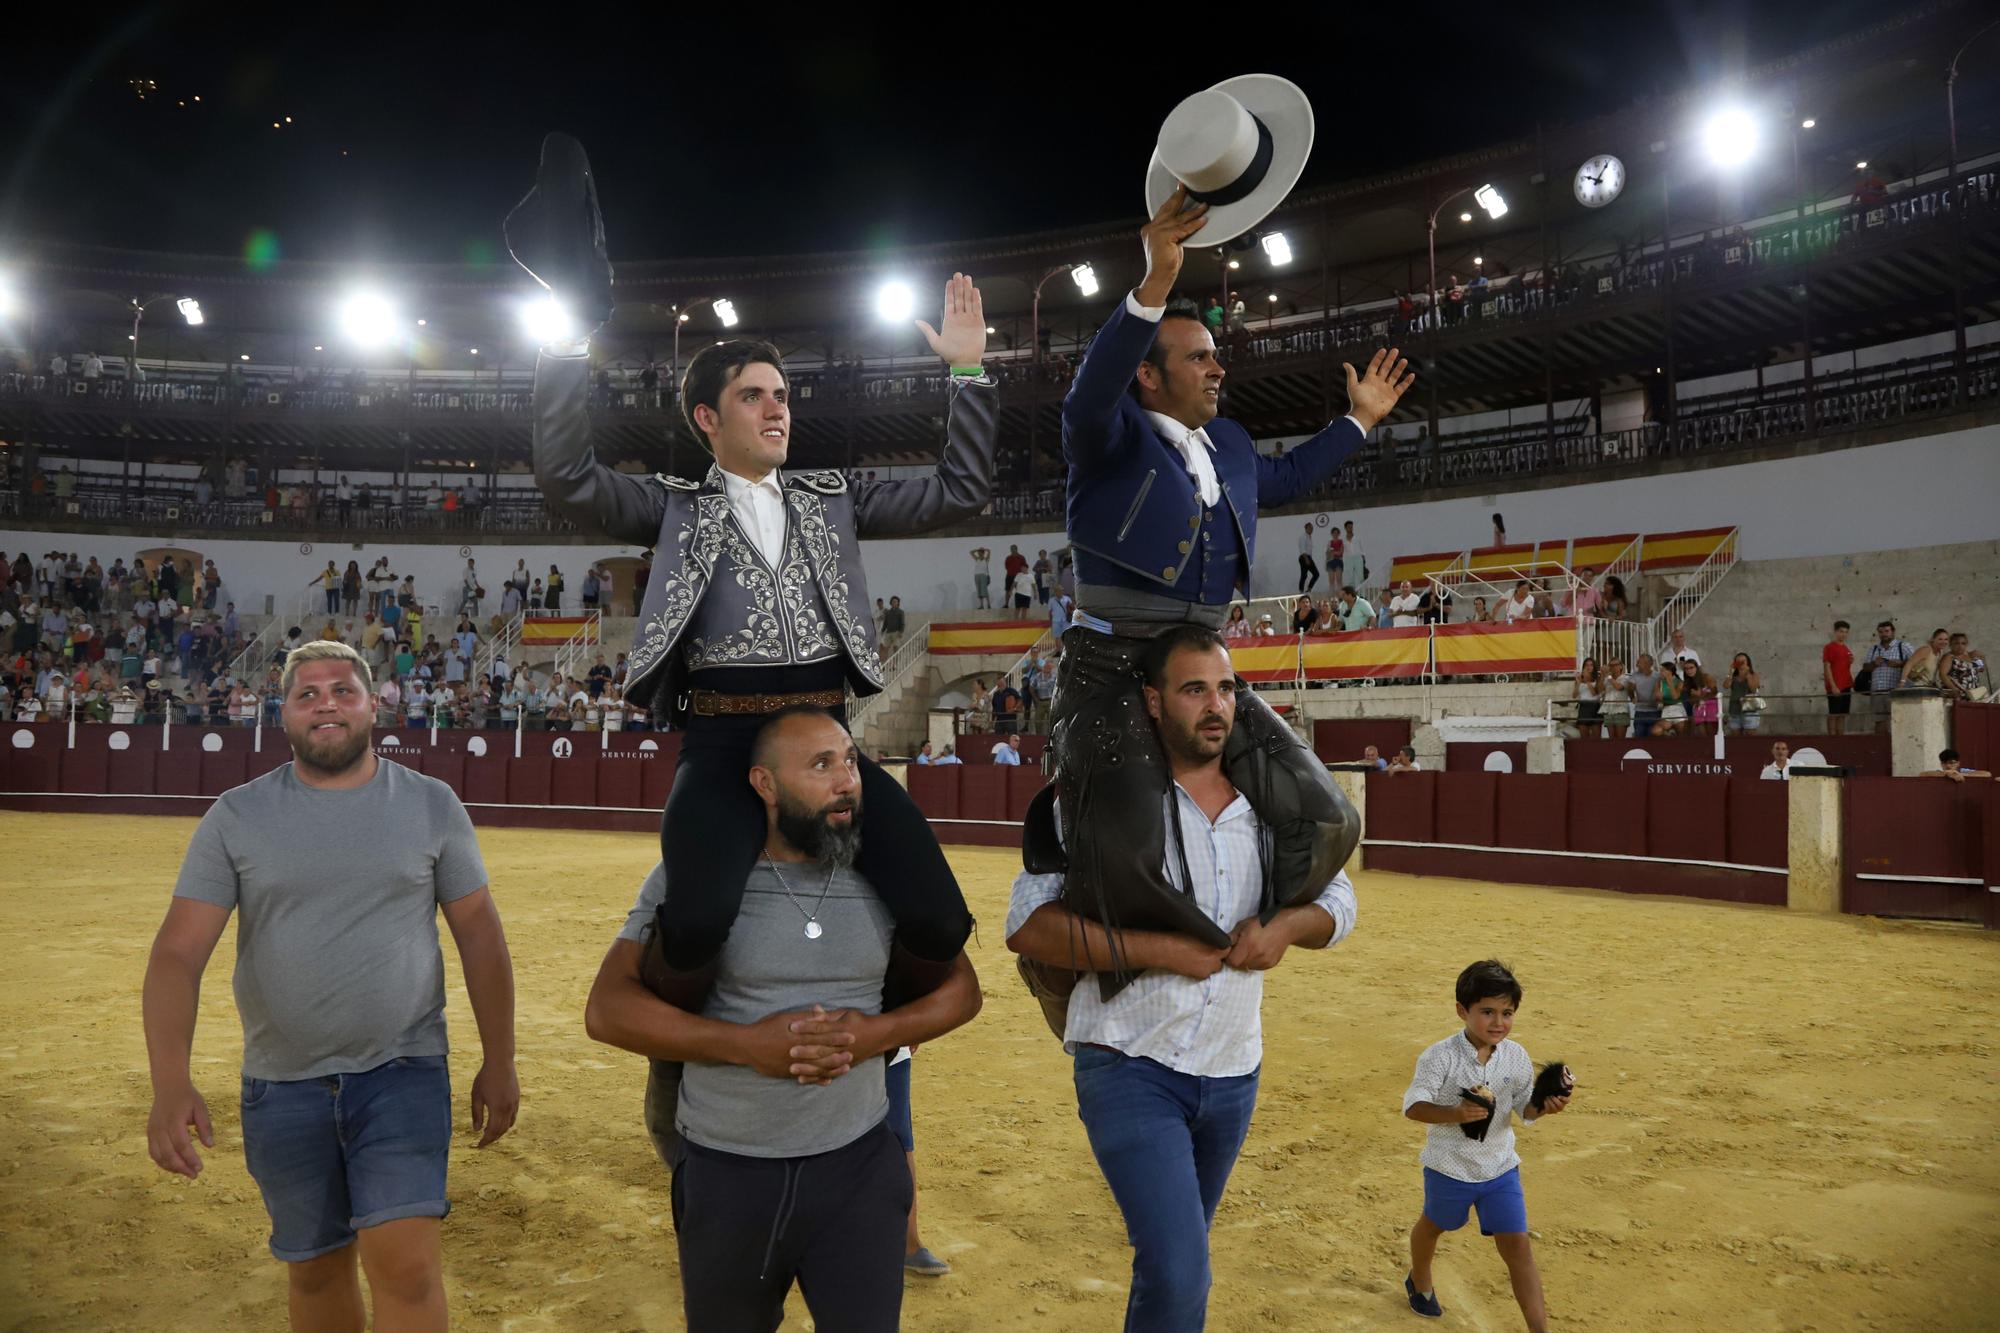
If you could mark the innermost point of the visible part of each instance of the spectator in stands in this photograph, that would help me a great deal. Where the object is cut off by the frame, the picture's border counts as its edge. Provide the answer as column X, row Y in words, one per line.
column 1836, row 671
column 552, row 596
column 1612, row 603
column 1683, row 656
column 537, row 599
column 1588, row 690
column 1921, row 671
column 1044, row 570
column 1617, row 711
column 1373, row 758
column 924, row 759
column 1308, row 567
column 642, row 573
column 1022, row 586
column 1006, row 706
column 1305, row 615
column 350, row 587
column 1704, row 699
column 1355, row 613
column 1265, row 628
column 1780, row 767
column 1520, row 605
column 1950, row 767
column 593, row 586
column 1481, row 613
column 1406, row 608
column 328, row 582
column 1587, row 598
column 1673, row 701
column 1746, row 699
column 1963, row 672
column 1499, row 521
column 1238, row 624
column 1405, row 761
column 1062, row 612
column 980, row 717
column 982, row 576
column 1336, row 557
column 1008, row 751
column 892, row 626
column 1884, row 664
column 1014, row 564
column 948, row 757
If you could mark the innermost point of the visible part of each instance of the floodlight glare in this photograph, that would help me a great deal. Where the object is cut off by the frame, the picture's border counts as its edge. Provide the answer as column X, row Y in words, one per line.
column 895, row 302
column 725, row 310
column 190, row 310
column 545, row 320
column 1807, row 123
column 369, row 319
column 1729, row 137
column 1465, row 217
column 1086, row 279
column 7, row 301
column 1277, row 249
column 1236, row 263
column 1489, row 199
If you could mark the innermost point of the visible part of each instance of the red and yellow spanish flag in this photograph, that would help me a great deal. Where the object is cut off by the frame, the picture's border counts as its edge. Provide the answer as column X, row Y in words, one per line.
column 1367, row 654
column 550, row 631
column 1416, row 568
column 1266, row 659
column 1597, row 552
column 987, row 636
column 1525, row 645
column 1681, row 550
column 1502, row 564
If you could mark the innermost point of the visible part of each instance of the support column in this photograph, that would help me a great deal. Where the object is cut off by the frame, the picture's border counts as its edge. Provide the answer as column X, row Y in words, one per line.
column 1353, row 783
column 1815, row 851
column 1547, row 754
column 1917, row 731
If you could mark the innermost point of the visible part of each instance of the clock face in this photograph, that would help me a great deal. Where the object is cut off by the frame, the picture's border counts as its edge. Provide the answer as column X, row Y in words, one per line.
column 1599, row 180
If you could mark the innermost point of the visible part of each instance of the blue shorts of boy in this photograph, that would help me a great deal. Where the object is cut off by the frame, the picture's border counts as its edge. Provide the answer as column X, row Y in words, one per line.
column 334, row 1156
column 1503, row 1209
column 898, row 1079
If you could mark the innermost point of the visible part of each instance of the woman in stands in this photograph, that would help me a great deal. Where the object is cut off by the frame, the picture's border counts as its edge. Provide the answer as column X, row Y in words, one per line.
column 1304, row 615
column 1921, row 671
column 1673, row 700
column 552, row 599
column 1613, row 604
column 1588, row 691
column 1238, row 625
column 1702, row 699
column 1746, row 702
column 1963, row 676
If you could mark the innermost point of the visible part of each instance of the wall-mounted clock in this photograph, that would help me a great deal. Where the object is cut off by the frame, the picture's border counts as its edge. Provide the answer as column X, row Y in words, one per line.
column 1599, row 181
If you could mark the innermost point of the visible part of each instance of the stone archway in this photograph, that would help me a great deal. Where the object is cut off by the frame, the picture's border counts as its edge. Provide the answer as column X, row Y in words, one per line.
column 187, row 561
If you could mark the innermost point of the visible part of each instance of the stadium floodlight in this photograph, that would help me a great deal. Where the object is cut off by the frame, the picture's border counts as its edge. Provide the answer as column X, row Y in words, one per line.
column 895, row 302
column 8, row 302
column 1086, row 279
column 545, row 321
column 1729, row 137
column 1465, row 217
column 725, row 310
column 190, row 310
column 1862, row 165
column 1277, row 249
column 1807, row 123
column 1489, row 199
column 367, row 318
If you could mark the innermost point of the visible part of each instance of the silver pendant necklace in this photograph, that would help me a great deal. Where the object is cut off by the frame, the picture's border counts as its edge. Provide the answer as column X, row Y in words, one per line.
column 813, row 928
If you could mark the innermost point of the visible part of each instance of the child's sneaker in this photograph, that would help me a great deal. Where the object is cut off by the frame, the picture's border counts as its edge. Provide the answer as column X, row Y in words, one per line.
column 1424, row 1304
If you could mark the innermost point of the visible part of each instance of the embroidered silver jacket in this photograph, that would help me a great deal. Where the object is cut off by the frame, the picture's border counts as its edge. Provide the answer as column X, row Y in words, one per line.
column 689, row 526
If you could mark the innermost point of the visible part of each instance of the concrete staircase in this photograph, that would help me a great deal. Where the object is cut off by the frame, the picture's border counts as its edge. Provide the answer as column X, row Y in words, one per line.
column 1781, row 612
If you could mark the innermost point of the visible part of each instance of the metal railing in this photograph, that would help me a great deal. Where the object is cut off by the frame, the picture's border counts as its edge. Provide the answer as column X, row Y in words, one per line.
column 573, row 650
column 912, row 652
column 500, row 645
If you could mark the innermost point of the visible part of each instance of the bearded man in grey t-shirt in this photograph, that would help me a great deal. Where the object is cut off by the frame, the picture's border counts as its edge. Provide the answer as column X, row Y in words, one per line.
column 337, row 865
column 785, row 1167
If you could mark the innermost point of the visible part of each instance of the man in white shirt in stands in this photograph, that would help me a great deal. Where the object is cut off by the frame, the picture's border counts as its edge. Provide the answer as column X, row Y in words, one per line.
column 1780, row 767
column 1406, row 609
column 1681, row 653
column 1008, row 751
column 1167, row 1067
column 1405, row 761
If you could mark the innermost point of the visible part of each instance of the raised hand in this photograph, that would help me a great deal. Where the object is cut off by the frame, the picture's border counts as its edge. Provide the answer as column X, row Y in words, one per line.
column 1372, row 396
column 963, row 339
column 1164, row 238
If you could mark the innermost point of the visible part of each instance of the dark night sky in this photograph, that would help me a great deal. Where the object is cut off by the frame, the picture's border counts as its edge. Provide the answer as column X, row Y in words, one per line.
column 766, row 130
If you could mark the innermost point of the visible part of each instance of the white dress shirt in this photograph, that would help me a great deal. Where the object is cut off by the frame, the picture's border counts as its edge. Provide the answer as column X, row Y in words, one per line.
column 1405, row 610
column 759, row 507
column 1212, row 1028
column 1194, row 445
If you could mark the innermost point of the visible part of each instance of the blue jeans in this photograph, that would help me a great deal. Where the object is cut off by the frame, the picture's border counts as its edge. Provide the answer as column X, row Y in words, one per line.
column 1166, row 1142
column 337, row 1155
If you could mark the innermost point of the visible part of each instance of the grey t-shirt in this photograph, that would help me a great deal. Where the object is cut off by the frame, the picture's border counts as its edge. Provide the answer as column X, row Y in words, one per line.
column 338, row 968
column 1645, row 690
column 768, row 966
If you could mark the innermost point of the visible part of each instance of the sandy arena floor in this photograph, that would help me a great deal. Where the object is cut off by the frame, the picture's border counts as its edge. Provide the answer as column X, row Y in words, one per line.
column 1783, row 1122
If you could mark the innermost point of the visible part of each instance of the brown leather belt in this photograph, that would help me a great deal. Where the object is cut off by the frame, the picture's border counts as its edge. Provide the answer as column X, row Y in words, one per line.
column 714, row 703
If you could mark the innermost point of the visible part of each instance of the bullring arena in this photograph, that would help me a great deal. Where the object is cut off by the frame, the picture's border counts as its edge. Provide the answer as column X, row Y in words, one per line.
column 1642, row 605
column 1784, row 1121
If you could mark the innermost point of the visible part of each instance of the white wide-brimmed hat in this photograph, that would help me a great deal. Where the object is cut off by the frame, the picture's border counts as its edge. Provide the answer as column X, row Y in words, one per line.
column 1239, row 147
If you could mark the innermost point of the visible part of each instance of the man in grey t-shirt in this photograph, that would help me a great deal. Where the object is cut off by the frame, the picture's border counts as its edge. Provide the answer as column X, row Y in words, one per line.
column 785, row 1168
column 338, row 864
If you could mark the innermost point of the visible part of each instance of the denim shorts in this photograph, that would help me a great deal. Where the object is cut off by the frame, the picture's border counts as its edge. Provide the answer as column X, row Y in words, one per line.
column 898, row 1079
column 339, row 1154
column 1503, row 1209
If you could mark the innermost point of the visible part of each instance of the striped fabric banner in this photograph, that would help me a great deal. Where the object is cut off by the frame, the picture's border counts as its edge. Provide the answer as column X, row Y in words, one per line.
column 550, row 631
column 1501, row 564
column 1262, row 660
column 1012, row 637
column 1597, row 552
column 1681, row 550
column 1367, row 654
column 1525, row 645
column 1416, row 568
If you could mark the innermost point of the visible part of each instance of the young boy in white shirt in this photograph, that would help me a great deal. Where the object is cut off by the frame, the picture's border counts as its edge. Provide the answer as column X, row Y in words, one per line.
column 1462, row 1173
